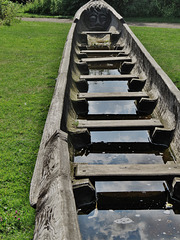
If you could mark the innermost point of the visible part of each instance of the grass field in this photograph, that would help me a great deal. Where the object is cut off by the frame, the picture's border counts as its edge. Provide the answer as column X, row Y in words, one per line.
column 163, row 45
column 29, row 61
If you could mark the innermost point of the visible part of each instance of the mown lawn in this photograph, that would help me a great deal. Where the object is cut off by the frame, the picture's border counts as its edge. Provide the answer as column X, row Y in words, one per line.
column 29, row 61
column 163, row 45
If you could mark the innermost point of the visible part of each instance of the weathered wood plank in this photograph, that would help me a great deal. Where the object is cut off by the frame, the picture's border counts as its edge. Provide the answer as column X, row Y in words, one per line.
column 108, row 77
column 107, row 125
column 113, row 96
column 106, row 59
column 99, row 32
column 127, row 172
column 102, row 51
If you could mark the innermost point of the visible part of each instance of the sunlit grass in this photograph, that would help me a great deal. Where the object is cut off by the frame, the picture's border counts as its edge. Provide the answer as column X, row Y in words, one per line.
column 29, row 61
column 163, row 45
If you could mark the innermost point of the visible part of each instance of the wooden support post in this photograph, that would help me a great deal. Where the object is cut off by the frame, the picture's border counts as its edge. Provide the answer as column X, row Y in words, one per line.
column 83, row 67
column 115, row 37
column 136, row 84
column 82, row 85
column 85, row 195
column 146, row 105
column 176, row 188
column 162, row 136
column 127, row 67
column 80, row 106
column 83, row 37
column 80, row 138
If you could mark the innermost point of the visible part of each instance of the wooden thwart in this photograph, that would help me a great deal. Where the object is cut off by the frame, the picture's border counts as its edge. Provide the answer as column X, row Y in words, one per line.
column 108, row 77
column 105, row 59
column 99, row 51
column 99, row 32
column 127, row 172
column 113, row 96
column 109, row 125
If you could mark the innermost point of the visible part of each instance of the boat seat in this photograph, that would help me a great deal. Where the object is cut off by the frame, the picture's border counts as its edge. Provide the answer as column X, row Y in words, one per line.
column 117, row 125
column 103, row 52
column 108, row 77
column 99, row 32
column 127, row 172
column 106, row 59
column 113, row 96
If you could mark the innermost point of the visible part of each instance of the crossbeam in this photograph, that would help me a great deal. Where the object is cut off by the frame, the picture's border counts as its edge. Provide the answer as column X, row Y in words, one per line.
column 106, row 59
column 113, row 96
column 99, row 51
column 113, row 125
column 108, row 77
column 127, row 172
column 99, row 32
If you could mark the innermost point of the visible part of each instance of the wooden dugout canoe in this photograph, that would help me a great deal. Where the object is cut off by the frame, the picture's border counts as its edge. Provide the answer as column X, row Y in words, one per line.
column 98, row 26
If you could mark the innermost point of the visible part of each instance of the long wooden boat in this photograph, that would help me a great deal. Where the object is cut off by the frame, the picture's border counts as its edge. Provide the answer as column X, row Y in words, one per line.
column 100, row 38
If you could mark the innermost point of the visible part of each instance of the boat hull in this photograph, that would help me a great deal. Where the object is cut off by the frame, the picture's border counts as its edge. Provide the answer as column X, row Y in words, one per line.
column 51, row 187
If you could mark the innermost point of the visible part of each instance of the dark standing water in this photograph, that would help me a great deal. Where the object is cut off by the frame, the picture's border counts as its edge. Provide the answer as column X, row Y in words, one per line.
column 130, row 225
column 125, row 224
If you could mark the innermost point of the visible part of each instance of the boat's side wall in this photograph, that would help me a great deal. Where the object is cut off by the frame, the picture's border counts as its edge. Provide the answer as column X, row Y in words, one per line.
column 158, row 85
column 51, row 188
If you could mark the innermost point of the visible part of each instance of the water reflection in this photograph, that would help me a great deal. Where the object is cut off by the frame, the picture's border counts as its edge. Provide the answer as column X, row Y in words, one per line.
column 112, row 107
column 130, row 225
column 104, row 72
column 120, row 136
column 119, row 159
column 107, row 86
column 124, row 224
column 129, row 186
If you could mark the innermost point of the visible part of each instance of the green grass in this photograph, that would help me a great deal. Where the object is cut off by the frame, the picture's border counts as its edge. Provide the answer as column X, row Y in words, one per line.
column 29, row 61
column 163, row 45
column 153, row 19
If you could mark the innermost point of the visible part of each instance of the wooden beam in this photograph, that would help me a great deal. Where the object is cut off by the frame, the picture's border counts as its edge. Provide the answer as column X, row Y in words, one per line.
column 127, row 172
column 98, row 32
column 102, row 51
column 109, row 125
column 108, row 77
column 113, row 96
column 105, row 59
